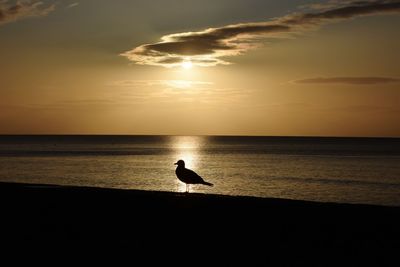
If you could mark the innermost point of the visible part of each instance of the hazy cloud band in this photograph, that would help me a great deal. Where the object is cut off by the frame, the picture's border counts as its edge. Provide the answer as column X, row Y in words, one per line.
column 349, row 80
column 210, row 46
column 165, row 83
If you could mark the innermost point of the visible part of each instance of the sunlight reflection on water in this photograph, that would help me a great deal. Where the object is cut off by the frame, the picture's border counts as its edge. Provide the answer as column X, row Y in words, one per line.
column 187, row 148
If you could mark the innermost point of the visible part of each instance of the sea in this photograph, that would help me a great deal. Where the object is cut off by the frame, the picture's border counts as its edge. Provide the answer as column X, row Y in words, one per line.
column 323, row 169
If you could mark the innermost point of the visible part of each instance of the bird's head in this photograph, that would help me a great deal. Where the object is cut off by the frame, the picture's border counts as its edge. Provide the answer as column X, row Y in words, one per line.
column 180, row 163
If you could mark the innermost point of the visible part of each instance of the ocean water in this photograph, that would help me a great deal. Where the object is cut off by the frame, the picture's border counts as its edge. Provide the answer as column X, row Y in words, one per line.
column 345, row 170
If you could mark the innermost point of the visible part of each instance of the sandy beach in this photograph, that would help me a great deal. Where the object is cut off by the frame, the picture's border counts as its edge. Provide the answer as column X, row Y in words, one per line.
column 144, row 220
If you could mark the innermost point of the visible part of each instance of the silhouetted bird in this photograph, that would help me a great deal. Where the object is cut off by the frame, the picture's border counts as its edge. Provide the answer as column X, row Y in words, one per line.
column 188, row 176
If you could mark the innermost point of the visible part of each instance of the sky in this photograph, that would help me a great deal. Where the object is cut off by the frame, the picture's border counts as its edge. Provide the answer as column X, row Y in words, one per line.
column 210, row 67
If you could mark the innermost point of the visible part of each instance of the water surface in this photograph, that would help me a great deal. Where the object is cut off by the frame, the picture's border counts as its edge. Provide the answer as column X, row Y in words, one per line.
column 348, row 170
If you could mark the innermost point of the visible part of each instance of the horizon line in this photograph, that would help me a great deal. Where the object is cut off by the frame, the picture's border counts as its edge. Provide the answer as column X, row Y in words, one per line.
column 204, row 135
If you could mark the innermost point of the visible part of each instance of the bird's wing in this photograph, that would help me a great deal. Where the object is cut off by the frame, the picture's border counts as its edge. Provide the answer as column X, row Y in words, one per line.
column 194, row 177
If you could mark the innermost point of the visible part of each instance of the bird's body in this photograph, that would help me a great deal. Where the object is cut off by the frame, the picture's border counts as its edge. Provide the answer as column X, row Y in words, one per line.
column 188, row 176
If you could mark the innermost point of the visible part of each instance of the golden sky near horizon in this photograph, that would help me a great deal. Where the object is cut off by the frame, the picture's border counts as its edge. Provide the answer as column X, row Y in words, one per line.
column 256, row 67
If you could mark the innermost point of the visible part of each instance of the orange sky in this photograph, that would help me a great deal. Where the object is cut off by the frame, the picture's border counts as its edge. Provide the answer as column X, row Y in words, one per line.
column 310, row 68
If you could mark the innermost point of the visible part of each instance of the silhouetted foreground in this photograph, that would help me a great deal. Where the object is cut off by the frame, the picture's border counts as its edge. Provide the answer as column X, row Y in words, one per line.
column 147, row 220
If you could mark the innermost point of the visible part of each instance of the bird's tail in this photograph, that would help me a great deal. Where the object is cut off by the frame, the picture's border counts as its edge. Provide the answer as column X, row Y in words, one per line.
column 207, row 183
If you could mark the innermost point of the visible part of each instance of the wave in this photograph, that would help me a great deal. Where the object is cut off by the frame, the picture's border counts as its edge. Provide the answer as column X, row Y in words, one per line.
column 336, row 181
column 69, row 153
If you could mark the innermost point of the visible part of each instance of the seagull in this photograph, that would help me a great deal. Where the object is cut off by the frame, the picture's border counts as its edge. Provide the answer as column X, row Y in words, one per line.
column 188, row 176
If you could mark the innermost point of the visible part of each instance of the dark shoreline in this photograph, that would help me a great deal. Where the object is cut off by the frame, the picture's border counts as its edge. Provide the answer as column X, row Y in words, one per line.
column 149, row 220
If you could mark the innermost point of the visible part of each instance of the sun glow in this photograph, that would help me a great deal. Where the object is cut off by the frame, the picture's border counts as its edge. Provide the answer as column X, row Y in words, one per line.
column 187, row 65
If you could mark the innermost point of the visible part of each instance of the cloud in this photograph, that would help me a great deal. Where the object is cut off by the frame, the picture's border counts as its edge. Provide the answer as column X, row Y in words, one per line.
column 344, row 10
column 210, row 47
column 349, row 80
column 73, row 5
column 367, row 108
column 22, row 10
column 173, row 91
column 203, row 48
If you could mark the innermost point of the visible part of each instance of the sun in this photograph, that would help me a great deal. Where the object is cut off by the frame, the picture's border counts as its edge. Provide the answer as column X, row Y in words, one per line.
column 187, row 65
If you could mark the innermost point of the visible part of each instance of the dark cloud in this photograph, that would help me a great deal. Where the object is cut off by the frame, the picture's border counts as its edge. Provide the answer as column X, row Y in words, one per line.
column 351, row 10
column 349, row 80
column 188, row 48
column 22, row 9
column 203, row 48
column 208, row 47
column 216, row 35
column 170, row 60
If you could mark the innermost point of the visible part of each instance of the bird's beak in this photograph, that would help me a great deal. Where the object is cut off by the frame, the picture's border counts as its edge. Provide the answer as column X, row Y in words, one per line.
column 176, row 163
